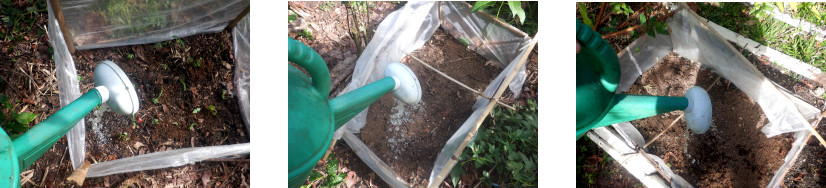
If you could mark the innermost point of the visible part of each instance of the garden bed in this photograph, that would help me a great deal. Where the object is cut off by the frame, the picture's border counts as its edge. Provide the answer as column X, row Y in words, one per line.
column 203, row 112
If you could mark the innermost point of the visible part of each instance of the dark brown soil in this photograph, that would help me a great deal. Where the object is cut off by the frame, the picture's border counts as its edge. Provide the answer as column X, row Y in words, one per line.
column 154, row 68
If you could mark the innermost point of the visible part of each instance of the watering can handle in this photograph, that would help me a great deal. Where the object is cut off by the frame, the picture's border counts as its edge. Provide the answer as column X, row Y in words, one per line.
column 593, row 41
column 309, row 59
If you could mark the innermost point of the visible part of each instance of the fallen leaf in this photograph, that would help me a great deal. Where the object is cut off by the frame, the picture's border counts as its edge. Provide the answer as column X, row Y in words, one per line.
column 79, row 175
column 138, row 145
column 205, row 177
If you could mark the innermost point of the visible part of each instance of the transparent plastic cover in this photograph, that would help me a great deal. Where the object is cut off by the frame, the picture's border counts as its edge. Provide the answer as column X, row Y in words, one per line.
column 241, row 47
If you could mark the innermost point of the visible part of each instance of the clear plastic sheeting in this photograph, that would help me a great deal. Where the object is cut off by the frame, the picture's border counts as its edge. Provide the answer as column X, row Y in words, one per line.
column 69, row 88
column 109, row 23
column 401, row 32
column 241, row 49
column 382, row 169
column 640, row 56
column 487, row 36
column 166, row 159
column 695, row 40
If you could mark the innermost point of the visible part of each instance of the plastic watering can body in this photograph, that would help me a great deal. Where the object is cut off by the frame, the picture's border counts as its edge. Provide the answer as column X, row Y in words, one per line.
column 597, row 105
column 313, row 118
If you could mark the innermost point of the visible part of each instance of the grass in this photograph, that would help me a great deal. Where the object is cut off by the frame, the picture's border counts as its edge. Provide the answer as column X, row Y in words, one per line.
column 760, row 27
column 504, row 150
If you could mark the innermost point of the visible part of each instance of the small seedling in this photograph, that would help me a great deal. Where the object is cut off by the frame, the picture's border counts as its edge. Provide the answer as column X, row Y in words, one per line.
column 179, row 41
column 182, row 83
column 133, row 122
column 124, row 136
column 130, row 56
column 158, row 45
column 79, row 78
column 175, row 123
column 223, row 95
column 196, row 110
column 155, row 121
column 164, row 66
column 198, row 62
column 12, row 122
column 155, row 100
column 192, row 126
column 212, row 108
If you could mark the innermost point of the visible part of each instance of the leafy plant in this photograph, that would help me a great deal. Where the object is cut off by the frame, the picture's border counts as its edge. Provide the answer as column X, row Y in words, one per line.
column 124, row 136
column 164, row 66
column 155, row 121
column 196, row 110
column 179, row 41
column 212, row 108
column 524, row 19
column 156, row 100
column 505, row 148
column 20, row 21
column 14, row 123
column 291, row 16
column 192, row 126
column 130, row 56
column 583, row 11
column 79, row 78
column 332, row 178
column 223, row 93
column 198, row 62
column 307, row 33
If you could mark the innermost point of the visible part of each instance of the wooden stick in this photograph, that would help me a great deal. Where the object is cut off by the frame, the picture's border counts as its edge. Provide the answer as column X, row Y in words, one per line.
column 62, row 24
column 599, row 16
column 440, row 177
column 628, row 30
column 625, row 23
column 460, row 83
column 237, row 19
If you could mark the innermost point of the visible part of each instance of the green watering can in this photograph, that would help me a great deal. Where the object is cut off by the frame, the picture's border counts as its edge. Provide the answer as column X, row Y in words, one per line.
column 597, row 105
column 112, row 88
column 313, row 118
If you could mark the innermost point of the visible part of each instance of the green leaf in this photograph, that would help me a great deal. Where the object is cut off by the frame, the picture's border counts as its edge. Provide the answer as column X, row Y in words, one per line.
column 479, row 5
column 25, row 118
column 516, row 10
column 196, row 110
column 584, row 13
column 642, row 19
column 456, row 173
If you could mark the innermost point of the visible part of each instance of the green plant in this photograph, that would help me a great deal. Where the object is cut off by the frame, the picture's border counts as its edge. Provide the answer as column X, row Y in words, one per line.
column 583, row 11
column 130, row 56
column 198, row 62
column 525, row 19
column 307, row 33
column 164, row 66
column 155, row 121
column 331, row 178
column 505, row 148
column 179, row 41
column 515, row 8
column 327, row 5
column 223, row 93
column 14, row 123
column 134, row 125
column 291, row 16
column 192, row 126
column 124, row 136
column 79, row 78
column 212, row 108
column 182, row 83
column 18, row 22
column 156, row 100
column 196, row 110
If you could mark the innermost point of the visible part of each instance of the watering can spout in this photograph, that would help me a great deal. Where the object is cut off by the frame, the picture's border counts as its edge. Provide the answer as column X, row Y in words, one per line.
column 696, row 105
column 399, row 79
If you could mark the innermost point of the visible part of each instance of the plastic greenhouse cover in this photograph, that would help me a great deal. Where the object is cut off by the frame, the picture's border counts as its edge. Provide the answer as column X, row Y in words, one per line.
column 689, row 36
column 241, row 47
column 640, row 56
column 382, row 169
column 69, row 88
column 108, row 23
column 401, row 32
column 166, row 159
column 487, row 36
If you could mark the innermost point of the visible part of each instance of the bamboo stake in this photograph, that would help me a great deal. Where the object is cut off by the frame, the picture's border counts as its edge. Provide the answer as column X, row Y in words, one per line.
column 440, row 177
column 237, row 19
column 460, row 83
column 62, row 24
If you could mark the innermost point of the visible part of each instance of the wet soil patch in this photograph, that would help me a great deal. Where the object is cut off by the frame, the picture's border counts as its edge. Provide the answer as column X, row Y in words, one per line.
column 409, row 137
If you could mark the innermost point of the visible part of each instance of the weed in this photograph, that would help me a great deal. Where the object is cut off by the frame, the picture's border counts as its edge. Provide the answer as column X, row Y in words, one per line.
column 158, row 45
column 291, row 16
column 18, row 22
column 223, row 94
column 507, row 145
column 182, row 83
column 198, row 62
column 164, row 66
column 130, row 56
column 192, row 126
column 196, row 110
column 12, row 122
column 179, row 41
column 79, row 78
column 155, row 121
column 156, row 100
column 134, row 125
column 307, row 33
column 332, row 178
column 212, row 108
column 124, row 136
